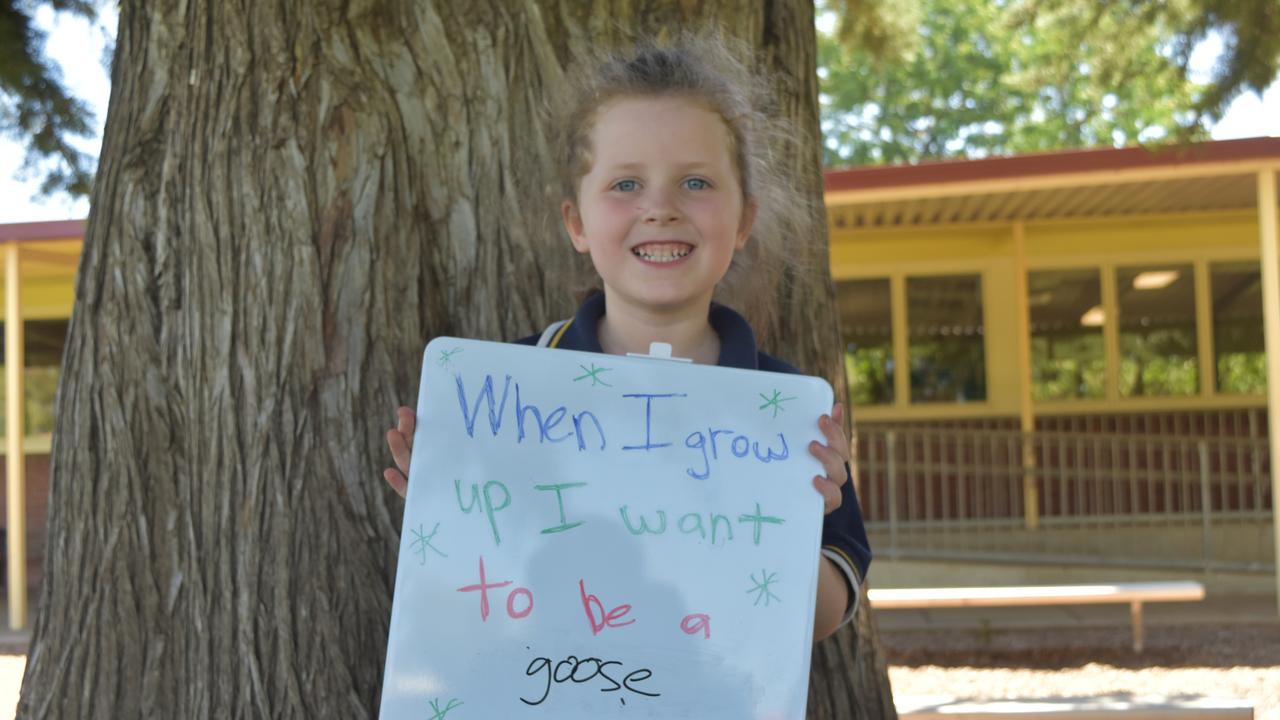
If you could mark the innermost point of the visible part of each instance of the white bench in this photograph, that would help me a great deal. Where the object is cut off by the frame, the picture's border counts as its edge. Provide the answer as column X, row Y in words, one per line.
column 1134, row 593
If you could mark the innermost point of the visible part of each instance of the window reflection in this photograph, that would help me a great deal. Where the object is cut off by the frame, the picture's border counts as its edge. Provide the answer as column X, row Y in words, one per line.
column 945, row 332
column 42, row 361
column 1067, row 358
column 1240, row 354
column 1157, row 307
column 866, row 324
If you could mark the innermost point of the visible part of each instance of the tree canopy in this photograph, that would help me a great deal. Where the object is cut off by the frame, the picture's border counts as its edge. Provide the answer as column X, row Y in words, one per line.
column 970, row 78
column 35, row 106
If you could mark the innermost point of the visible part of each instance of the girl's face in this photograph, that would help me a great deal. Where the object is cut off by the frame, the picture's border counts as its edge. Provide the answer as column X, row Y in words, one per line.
column 661, row 210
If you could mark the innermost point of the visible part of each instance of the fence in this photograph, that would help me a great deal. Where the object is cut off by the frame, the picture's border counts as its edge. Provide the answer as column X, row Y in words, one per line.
column 1139, row 500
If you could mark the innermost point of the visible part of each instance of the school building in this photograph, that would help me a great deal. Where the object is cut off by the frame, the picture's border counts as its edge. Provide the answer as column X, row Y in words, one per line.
column 40, row 262
column 1062, row 358
column 1056, row 360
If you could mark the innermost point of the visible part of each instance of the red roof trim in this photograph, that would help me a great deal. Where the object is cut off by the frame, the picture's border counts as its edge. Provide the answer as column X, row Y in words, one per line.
column 53, row 230
column 1051, row 163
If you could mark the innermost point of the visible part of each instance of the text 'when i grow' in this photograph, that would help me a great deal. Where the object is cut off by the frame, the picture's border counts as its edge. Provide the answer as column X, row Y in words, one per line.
column 582, row 429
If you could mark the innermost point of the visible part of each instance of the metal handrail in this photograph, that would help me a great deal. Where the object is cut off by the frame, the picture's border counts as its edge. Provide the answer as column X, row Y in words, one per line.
column 1156, row 499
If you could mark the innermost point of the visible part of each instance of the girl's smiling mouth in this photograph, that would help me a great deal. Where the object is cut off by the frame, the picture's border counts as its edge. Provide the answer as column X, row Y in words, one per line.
column 662, row 252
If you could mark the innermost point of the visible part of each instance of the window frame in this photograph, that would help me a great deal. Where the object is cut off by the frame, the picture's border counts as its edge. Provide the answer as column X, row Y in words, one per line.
column 987, row 268
column 1207, row 395
column 1108, row 314
column 901, row 338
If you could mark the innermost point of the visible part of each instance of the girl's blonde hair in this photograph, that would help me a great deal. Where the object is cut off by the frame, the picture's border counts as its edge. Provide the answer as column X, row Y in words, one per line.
column 704, row 69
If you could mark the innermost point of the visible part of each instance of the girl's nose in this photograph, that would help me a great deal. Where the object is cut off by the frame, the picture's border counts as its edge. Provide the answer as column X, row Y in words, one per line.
column 660, row 210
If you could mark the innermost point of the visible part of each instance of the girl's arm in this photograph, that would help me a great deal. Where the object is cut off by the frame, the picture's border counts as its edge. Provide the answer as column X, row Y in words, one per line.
column 833, row 599
column 834, row 584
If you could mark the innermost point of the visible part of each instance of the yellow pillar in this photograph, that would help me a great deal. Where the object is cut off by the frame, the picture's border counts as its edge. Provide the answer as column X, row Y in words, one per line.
column 1026, row 411
column 1269, row 236
column 901, row 345
column 1204, row 331
column 1111, row 332
column 16, row 530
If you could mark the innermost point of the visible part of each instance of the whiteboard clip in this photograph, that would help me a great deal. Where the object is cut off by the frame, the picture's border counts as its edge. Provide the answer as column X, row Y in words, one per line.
column 659, row 351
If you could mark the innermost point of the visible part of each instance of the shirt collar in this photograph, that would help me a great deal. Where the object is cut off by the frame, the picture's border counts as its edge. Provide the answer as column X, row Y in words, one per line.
column 737, row 341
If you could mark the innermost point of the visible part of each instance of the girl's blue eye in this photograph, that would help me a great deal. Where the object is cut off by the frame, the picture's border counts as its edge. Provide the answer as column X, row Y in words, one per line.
column 626, row 186
column 697, row 184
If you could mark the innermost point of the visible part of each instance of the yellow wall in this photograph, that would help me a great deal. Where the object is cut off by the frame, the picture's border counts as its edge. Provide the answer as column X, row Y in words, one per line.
column 48, row 279
column 878, row 252
column 1220, row 236
column 989, row 251
column 44, row 299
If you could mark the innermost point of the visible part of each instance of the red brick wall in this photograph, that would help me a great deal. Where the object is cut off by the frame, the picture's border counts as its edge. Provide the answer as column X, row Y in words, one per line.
column 37, row 477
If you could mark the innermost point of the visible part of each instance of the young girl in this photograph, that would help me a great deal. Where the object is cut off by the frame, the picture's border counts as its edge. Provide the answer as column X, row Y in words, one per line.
column 666, row 185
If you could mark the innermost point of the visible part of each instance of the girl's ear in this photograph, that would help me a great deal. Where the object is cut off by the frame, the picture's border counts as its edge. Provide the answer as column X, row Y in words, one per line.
column 746, row 224
column 573, row 225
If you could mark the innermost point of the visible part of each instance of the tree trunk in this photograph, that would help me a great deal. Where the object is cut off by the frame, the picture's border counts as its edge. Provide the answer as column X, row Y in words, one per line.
column 292, row 198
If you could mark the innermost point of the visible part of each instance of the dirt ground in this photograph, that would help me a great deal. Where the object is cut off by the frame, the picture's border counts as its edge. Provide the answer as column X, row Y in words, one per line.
column 1214, row 660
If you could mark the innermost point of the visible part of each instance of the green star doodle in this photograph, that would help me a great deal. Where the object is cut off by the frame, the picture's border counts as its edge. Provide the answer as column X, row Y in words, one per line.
column 440, row 714
column 446, row 357
column 761, row 588
column 422, row 542
column 594, row 373
column 775, row 402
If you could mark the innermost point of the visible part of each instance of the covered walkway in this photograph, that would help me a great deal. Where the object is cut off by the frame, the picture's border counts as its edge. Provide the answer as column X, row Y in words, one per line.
column 1108, row 298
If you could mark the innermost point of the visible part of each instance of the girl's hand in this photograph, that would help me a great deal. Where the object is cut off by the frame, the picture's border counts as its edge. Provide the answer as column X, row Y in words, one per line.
column 834, row 457
column 400, row 440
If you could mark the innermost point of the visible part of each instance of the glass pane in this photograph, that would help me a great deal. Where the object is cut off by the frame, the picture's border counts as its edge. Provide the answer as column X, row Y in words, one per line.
column 945, row 332
column 42, row 361
column 1157, row 306
column 41, row 386
column 867, row 328
column 1239, row 350
column 1067, row 360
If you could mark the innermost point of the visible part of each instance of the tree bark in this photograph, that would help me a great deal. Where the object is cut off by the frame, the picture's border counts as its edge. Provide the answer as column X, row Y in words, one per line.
column 292, row 198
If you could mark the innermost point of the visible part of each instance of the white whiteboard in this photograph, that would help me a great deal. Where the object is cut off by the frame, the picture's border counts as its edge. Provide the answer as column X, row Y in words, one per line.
column 649, row 536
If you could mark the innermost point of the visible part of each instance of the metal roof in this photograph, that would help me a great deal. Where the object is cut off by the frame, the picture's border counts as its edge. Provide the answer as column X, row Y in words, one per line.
column 1209, row 176
column 52, row 230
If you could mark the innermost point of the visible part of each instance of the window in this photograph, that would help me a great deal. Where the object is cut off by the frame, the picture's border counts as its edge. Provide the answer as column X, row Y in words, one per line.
column 945, row 335
column 42, row 360
column 1157, row 307
column 1240, row 355
column 1067, row 358
column 866, row 325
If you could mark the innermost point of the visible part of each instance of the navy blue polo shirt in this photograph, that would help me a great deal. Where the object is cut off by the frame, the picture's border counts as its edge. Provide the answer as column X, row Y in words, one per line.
column 737, row 341
column 844, row 536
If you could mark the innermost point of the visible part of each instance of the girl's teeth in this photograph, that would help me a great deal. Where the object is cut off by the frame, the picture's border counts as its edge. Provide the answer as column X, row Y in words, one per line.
column 661, row 255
